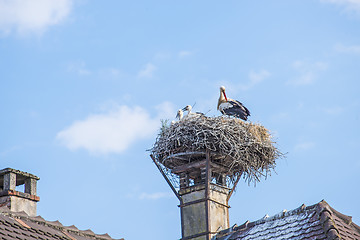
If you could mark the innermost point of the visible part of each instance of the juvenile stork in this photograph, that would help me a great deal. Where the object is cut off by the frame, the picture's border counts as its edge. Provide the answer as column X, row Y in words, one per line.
column 231, row 107
column 188, row 108
column 180, row 114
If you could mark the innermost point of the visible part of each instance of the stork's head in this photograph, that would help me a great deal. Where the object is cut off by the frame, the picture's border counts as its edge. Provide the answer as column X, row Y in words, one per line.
column 187, row 108
column 222, row 91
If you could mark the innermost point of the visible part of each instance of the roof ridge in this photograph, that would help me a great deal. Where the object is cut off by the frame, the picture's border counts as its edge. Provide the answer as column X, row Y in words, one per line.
column 282, row 214
column 266, row 219
column 320, row 219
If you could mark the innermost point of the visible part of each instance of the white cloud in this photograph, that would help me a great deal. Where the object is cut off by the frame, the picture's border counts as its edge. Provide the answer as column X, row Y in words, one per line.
column 27, row 16
column 113, row 131
column 354, row 49
column 308, row 72
column 255, row 78
column 155, row 196
column 349, row 5
column 147, row 71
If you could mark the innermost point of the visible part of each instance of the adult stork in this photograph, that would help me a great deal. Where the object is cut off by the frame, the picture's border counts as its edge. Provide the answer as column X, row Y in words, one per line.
column 231, row 107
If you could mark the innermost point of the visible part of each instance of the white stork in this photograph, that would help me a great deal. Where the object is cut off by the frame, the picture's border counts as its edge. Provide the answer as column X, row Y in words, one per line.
column 231, row 107
column 180, row 114
column 188, row 108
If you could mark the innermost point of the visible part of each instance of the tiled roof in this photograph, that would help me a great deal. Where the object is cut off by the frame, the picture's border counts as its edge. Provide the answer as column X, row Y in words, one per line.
column 319, row 221
column 18, row 225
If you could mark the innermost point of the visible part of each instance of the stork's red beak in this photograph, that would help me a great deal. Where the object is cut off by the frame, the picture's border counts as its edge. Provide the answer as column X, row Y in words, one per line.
column 225, row 96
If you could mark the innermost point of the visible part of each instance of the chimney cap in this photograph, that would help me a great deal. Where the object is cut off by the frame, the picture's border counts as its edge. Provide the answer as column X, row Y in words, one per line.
column 20, row 176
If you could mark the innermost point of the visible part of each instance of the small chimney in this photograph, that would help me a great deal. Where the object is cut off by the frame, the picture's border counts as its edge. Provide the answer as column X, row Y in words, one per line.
column 15, row 200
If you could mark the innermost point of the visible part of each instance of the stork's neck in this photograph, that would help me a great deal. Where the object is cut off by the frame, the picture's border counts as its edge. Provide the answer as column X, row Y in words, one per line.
column 221, row 99
column 189, row 110
column 222, row 96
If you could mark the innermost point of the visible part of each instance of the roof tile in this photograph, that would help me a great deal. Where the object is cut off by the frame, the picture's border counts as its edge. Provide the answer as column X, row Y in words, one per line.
column 318, row 221
column 55, row 223
column 14, row 225
column 89, row 232
column 104, row 236
column 72, row 228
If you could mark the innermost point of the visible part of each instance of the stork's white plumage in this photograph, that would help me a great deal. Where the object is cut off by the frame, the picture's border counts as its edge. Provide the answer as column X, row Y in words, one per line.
column 188, row 108
column 180, row 114
column 231, row 107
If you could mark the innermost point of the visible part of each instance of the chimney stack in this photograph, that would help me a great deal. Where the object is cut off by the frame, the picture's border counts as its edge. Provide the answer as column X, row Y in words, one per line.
column 15, row 200
column 204, row 193
column 204, row 204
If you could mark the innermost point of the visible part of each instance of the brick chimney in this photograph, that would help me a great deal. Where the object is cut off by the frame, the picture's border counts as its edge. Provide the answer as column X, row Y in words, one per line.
column 15, row 200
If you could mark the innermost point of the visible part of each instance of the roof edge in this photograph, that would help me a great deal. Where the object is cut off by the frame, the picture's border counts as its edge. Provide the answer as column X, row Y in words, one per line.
column 325, row 215
column 346, row 218
column 55, row 224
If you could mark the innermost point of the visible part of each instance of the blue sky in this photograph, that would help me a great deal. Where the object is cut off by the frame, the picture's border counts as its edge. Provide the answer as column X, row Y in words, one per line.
column 84, row 85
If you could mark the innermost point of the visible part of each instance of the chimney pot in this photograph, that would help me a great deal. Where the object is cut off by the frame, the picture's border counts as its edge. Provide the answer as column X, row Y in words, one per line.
column 15, row 200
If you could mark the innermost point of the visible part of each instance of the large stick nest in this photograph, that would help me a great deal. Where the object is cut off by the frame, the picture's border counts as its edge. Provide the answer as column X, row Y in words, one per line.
column 239, row 147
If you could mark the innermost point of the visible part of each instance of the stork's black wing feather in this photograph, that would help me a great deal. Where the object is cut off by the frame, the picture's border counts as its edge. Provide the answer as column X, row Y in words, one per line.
column 237, row 110
column 246, row 110
column 200, row 113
